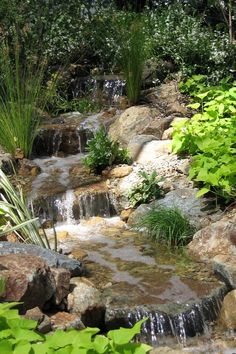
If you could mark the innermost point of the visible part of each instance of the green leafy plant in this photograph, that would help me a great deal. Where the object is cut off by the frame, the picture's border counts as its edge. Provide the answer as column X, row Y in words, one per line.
column 146, row 190
column 20, row 96
column 18, row 218
column 18, row 335
column 167, row 225
column 103, row 152
column 210, row 138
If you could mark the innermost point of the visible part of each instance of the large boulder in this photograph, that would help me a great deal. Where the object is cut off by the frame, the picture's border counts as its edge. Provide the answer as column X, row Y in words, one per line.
column 219, row 238
column 51, row 258
column 154, row 149
column 228, row 310
column 137, row 120
column 27, row 279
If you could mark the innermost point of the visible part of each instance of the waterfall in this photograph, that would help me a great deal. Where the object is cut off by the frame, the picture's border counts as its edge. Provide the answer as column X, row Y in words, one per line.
column 65, row 207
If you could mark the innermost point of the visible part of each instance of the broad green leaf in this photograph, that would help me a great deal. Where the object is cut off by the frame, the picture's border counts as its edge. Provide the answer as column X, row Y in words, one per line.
column 202, row 192
column 100, row 344
column 124, row 335
column 6, row 347
column 202, row 95
column 21, row 348
column 194, row 105
column 26, row 334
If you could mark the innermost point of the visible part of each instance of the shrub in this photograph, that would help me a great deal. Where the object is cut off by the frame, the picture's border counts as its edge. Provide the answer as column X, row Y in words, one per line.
column 210, row 138
column 146, row 190
column 103, row 152
column 18, row 218
column 187, row 41
column 18, row 335
column 20, row 90
column 167, row 225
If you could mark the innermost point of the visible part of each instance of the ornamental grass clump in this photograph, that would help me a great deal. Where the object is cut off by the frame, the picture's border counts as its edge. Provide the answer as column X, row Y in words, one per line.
column 17, row 217
column 20, row 97
column 167, row 225
column 133, row 54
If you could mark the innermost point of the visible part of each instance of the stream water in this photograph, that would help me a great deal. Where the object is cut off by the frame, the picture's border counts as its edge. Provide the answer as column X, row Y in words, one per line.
column 136, row 277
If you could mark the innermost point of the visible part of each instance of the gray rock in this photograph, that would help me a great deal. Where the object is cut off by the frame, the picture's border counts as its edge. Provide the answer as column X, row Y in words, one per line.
column 6, row 162
column 136, row 144
column 52, row 259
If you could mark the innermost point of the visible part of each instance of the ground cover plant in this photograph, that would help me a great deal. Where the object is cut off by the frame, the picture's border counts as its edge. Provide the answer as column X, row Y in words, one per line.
column 19, row 336
column 209, row 137
column 146, row 190
column 104, row 152
column 17, row 217
column 167, row 225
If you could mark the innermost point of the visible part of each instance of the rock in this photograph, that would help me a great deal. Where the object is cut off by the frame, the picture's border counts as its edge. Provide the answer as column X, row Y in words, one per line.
column 28, row 168
column 123, row 103
column 28, row 279
column 167, row 350
column 62, row 280
column 154, row 149
column 225, row 267
column 65, row 321
column 133, row 121
column 62, row 235
column 79, row 254
column 168, row 133
column 176, row 108
column 228, row 310
column 6, row 162
column 219, row 238
column 158, row 126
column 19, row 154
column 136, row 144
column 43, row 321
column 85, row 299
column 184, row 199
column 125, row 214
column 120, row 171
column 52, row 259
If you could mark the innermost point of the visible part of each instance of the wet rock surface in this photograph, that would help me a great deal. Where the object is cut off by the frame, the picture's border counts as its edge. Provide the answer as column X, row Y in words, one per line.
column 51, row 258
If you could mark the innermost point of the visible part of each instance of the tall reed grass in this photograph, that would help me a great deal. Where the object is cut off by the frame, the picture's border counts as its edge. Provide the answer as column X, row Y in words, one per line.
column 20, row 96
column 133, row 53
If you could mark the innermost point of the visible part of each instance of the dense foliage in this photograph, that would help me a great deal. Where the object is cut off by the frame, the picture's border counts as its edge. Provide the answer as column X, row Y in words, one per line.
column 19, row 335
column 210, row 137
column 104, row 152
column 167, row 225
column 146, row 190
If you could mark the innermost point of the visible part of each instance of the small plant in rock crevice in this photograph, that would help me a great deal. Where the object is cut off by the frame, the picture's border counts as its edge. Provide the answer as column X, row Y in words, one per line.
column 167, row 225
column 104, row 152
column 146, row 190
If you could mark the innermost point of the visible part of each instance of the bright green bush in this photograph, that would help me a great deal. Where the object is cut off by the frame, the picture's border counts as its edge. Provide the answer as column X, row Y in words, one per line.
column 146, row 190
column 18, row 336
column 103, row 152
column 167, row 225
column 210, row 138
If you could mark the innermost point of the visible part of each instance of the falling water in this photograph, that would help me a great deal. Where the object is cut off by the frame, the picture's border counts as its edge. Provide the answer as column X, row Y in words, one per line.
column 65, row 207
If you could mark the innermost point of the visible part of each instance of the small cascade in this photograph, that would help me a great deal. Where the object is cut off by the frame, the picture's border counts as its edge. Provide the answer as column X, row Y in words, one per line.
column 106, row 87
column 94, row 204
column 62, row 139
column 192, row 320
column 47, row 142
column 65, row 207
column 113, row 90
